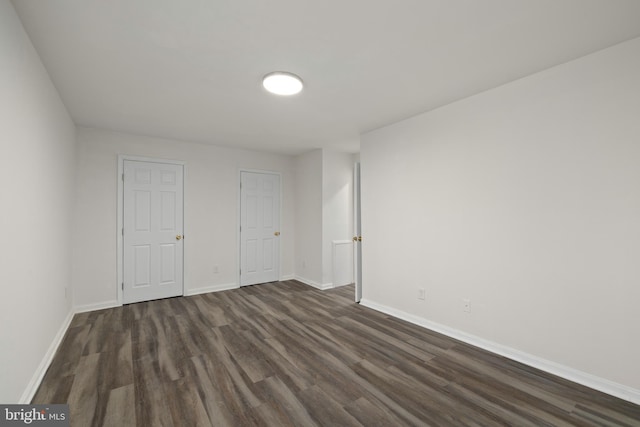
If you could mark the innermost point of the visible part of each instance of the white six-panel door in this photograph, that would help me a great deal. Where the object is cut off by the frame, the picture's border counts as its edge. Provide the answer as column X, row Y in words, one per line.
column 153, row 231
column 259, row 228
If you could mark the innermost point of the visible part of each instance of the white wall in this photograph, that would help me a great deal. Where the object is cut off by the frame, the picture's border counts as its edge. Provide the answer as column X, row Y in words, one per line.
column 526, row 200
column 37, row 179
column 337, row 205
column 308, row 217
column 211, row 210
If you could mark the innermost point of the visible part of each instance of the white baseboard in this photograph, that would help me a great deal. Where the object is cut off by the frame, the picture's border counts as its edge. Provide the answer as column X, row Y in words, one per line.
column 601, row 384
column 38, row 375
column 96, row 306
column 287, row 277
column 316, row 285
column 212, row 288
column 345, row 284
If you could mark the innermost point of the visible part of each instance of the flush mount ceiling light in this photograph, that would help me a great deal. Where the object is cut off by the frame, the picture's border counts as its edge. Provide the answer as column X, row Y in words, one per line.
column 282, row 83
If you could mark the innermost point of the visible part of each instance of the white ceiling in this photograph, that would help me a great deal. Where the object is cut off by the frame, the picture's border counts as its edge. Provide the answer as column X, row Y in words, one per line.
column 191, row 69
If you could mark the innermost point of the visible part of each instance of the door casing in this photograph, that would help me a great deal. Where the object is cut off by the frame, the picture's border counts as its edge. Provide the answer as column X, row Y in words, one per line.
column 357, row 231
column 120, row 219
column 238, row 219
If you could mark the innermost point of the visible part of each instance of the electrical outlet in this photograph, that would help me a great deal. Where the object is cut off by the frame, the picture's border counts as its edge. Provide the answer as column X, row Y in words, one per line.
column 421, row 293
column 216, row 270
column 466, row 305
column 304, row 264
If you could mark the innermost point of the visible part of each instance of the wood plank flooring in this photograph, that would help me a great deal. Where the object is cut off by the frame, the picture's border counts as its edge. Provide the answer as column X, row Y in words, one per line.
column 285, row 354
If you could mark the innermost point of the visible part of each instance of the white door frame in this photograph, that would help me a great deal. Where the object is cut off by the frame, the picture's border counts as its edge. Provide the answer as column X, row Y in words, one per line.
column 357, row 232
column 238, row 238
column 120, row 220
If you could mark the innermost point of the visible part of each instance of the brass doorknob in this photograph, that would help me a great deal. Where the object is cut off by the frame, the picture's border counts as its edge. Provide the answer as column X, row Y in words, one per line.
column 179, row 237
column 359, row 238
column 277, row 233
column 355, row 238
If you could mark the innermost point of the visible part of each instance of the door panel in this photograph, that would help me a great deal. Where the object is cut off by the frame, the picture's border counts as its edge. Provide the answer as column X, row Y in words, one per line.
column 167, row 263
column 251, row 256
column 142, row 210
column 267, row 254
column 167, row 211
column 259, row 228
column 152, row 235
column 267, row 217
column 141, row 265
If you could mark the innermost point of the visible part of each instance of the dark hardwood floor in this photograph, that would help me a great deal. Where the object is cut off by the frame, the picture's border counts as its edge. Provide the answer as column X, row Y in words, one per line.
column 285, row 354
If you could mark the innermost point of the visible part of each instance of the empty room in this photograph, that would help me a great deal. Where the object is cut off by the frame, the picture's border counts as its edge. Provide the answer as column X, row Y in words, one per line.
column 320, row 213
